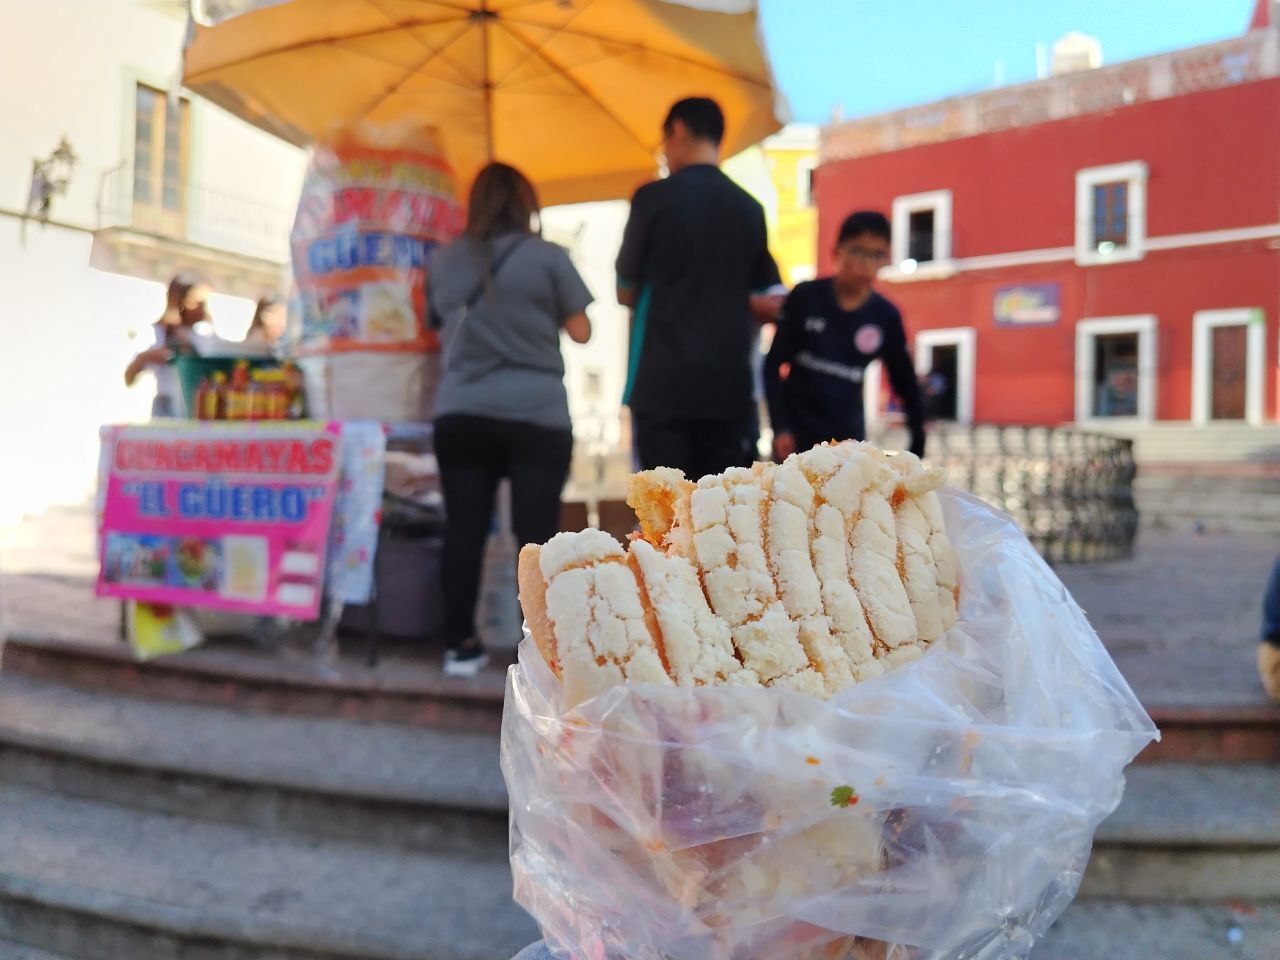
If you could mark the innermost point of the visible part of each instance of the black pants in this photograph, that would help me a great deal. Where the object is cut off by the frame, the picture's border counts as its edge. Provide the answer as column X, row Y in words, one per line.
column 809, row 432
column 698, row 447
column 475, row 453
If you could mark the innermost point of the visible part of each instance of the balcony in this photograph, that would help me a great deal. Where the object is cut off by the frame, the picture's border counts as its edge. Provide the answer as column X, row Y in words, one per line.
column 1255, row 56
column 153, row 230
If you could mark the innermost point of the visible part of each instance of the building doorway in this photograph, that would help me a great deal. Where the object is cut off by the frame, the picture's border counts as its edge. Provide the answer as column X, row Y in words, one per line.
column 1228, row 357
column 940, row 393
column 945, row 362
column 1226, row 388
column 1115, row 368
column 1115, row 375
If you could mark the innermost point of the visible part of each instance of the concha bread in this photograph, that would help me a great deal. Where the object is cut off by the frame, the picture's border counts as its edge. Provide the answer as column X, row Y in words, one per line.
column 822, row 571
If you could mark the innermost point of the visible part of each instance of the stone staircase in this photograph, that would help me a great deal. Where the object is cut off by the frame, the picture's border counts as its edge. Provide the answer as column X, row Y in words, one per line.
column 222, row 806
column 1182, row 443
column 134, row 828
column 1222, row 478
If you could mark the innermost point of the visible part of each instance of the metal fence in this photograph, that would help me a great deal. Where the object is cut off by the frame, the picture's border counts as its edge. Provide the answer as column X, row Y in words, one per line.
column 1072, row 492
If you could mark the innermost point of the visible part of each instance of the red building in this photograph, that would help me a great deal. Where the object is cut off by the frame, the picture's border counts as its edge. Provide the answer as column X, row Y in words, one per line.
column 1097, row 246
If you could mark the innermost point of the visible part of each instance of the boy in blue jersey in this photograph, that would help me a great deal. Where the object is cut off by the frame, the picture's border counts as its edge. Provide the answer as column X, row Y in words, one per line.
column 830, row 330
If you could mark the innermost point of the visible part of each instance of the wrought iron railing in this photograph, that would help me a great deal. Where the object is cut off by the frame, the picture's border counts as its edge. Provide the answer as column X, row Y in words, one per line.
column 1254, row 56
column 1072, row 492
column 197, row 214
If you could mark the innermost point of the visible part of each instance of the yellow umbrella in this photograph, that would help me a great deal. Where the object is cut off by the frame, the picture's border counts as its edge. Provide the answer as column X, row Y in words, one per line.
column 571, row 91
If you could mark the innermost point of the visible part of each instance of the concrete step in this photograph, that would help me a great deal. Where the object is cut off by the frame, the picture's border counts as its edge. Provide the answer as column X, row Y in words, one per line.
column 411, row 788
column 1218, row 500
column 1223, row 502
column 1158, row 517
column 18, row 951
column 1094, row 930
column 1223, row 505
column 104, row 882
column 1184, row 444
column 405, row 690
column 442, row 792
column 1191, row 832
column 1205, row 482
column 1227, row 734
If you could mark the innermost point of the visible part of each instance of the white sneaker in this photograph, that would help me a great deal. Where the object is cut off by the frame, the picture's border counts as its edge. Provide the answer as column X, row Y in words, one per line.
column 465, row 665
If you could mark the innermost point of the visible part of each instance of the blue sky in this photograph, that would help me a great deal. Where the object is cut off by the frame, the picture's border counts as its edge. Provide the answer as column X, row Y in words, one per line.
column 876, row 55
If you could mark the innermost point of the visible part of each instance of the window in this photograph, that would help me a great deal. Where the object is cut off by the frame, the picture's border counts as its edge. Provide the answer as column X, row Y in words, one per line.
column 945, row 361
column 160, row 143
column 922, row 234
column 1111, row 213
column 806, row 167
column 1115, row 368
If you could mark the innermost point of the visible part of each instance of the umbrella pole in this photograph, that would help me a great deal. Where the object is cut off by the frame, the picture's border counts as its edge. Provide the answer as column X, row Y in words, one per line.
column 486, row 16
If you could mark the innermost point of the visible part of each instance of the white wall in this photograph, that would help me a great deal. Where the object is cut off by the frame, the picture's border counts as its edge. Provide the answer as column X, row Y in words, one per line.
column 69, row 67
column 66, row 334
column 593, row 232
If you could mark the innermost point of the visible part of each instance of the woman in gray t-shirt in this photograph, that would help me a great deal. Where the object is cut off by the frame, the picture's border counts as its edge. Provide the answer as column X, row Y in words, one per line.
column 501, row 295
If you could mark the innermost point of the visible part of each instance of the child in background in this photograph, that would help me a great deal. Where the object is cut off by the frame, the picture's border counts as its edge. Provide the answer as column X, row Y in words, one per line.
column 830, row 330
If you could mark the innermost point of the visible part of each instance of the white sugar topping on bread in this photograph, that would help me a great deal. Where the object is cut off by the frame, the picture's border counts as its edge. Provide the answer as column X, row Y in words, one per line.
column 593, row 604
column 698, row 644
column 812, row 575
column 566, row 550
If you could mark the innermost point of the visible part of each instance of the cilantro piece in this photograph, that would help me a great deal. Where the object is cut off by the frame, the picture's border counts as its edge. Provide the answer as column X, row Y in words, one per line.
column 844, row 796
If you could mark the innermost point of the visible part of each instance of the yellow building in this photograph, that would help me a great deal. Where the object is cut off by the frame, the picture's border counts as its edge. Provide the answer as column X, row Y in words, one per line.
column 779, row 173
column 792, row 156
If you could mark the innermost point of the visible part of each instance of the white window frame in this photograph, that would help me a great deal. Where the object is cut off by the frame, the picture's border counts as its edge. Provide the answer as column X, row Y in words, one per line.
column 942, row 265
column 805, row 168
column 1089, row 330
column 1204, row 322
column 965, row 341
column 1134, row 173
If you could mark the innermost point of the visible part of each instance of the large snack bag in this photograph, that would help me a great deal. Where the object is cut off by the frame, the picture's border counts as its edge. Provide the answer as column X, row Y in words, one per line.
column 374, row 202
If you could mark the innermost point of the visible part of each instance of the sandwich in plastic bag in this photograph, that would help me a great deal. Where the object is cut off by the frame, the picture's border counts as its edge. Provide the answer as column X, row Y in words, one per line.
column 684, row 786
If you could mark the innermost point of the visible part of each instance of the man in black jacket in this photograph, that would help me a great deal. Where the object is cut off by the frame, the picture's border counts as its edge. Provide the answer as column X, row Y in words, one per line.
column 693, row 267
column 829, row 331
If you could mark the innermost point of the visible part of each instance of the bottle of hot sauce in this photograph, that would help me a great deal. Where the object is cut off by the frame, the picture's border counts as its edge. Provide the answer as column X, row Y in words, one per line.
column 206, row 401
column 259, row 396
column 219, row 395
column 238, row 393
column 273, row 396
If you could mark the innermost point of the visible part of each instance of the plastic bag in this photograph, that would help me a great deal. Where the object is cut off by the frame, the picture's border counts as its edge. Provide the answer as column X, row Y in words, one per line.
column 375, row 200
column 945, row 810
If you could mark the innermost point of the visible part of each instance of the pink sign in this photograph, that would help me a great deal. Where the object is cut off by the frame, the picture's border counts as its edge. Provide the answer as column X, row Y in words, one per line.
column 229, row 516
